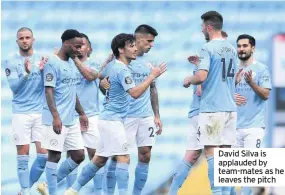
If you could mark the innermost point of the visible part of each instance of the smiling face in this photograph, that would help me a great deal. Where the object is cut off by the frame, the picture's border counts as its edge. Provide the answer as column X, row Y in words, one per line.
column 129, row 51
column 244, row 49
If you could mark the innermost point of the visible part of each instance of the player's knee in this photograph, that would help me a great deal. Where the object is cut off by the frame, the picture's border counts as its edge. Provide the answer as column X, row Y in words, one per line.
column 23, row 149
column 99, row 161
column 192, row 156
column 77, row 156
column 144, row 154
column 123, row 158
column 54, row 156
column 91, row 153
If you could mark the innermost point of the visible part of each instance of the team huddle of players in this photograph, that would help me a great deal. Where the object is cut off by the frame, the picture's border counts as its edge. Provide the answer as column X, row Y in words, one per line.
column 56, row 106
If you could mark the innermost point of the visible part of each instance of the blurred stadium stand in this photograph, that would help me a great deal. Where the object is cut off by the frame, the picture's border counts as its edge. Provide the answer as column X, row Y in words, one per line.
column 179, row 28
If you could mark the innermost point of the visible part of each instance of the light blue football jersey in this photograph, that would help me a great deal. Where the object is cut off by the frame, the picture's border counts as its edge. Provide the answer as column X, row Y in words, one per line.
column 219, row 58
column 252, row 114
column 28, row 92
column 116, row 102
column 61, row 75
column 195, row 104
column 140, row 70
column 88, row 91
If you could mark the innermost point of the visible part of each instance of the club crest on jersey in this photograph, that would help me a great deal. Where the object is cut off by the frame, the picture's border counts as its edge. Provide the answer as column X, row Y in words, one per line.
column 128, row 80
column 49, row 77
column 8, row 72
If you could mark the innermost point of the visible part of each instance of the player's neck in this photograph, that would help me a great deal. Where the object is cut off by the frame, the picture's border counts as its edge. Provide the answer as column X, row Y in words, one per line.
column 30, row 52
column 62, row 55
column 140, row 53
column 247, row 62
column 215, row 35
column 125, row 60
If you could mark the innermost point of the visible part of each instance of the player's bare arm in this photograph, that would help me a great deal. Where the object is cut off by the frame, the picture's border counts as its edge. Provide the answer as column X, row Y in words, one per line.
column 57, row 124
column 82, row 117
column 141, row 88
column 261, row 92
column 155, row 106
column 88, row 73
column 197, row 79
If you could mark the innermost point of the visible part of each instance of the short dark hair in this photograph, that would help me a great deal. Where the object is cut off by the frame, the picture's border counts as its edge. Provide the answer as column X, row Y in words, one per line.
column 86, row 37
column 24, row 28
column 224, row 34
column 70, row 34
column 120, row 41
column 146, row 29
column 251, row 39
column 214, row 19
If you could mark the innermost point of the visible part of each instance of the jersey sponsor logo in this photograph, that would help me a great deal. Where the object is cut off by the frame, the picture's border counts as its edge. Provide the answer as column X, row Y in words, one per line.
column 8, row 72
column 49, row 77
column 128, row 80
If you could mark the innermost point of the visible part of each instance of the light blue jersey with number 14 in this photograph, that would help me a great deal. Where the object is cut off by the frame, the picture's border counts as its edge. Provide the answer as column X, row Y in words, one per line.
column 219, row 58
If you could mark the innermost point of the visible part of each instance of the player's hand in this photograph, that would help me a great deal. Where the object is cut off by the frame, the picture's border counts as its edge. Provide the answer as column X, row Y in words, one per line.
column 105, row 83
column 56, row 50
column 28, row 65
column 158, row 125
column 199, row 90
column 57, row 125
column 240, row 100
column 239, row 75
column 42, row 63
column 186, row 83
column 194, row 60
column 157, row 71
column 84, row 124
column 248, row 76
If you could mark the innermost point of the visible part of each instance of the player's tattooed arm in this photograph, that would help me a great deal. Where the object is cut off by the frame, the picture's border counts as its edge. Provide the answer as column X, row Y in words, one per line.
column 154, row 99
column 57, row 124
column 88, row 73
column 82, row 117
column 155, row 107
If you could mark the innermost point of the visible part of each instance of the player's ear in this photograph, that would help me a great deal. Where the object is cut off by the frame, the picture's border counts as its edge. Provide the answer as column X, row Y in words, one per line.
column 253, row 48
column 121, row 50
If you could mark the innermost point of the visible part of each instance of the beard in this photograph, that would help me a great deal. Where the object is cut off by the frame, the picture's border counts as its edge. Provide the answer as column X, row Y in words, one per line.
column 25, row 49
column 244, row 56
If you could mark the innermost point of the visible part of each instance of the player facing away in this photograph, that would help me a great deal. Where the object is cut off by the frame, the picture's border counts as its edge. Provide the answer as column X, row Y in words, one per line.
column 24, row 74
column 194, row 148
column 143, row 115
column 62, row 131
column 88, row 94
column 254, row 84
column 216, row 70
column 113, row 140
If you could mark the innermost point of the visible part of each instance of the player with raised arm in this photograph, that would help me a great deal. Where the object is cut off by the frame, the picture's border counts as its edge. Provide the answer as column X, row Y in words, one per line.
column 113, row 140
column 217, row 117
column 143, row 116
column 24, row 75
column 254, row 84
column 62, row 131
column 194, row 148
column 88, row 94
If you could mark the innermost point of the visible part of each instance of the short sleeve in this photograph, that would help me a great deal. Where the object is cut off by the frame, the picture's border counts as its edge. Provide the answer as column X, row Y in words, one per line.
column 126, row 79
column 264, row 79
column 204, row 59
column 50, row 75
